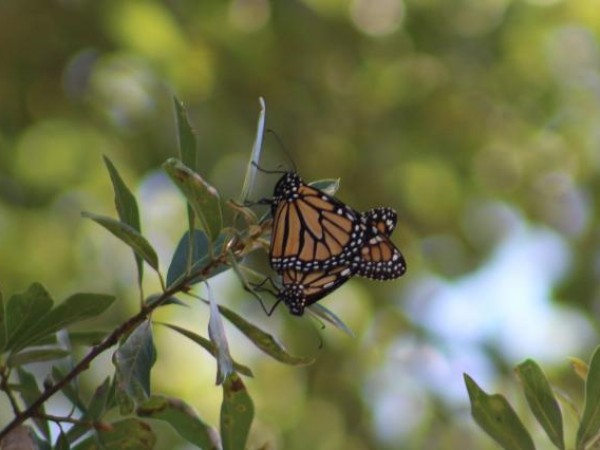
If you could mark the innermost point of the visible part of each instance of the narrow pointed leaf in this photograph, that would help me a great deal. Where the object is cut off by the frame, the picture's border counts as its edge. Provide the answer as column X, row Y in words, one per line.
column 188, row 149
column 36, row 355
column 62, row 443
column 187, row 139
column 326, row 314
column 129, row 236
column 183, row 419
column 127, row 434
column 126, row 206
column 202, row 197
column 23, row 313
column 541, row 401
column 237, row 413
column 263, row 340
column 200, row 259
column 134, row 360
column 251, row 169
column 154, row 298
column 589, row 426
column 30, row 392
column 208, row 346
column 497, row 418
column 76, row 308
column 216, row 332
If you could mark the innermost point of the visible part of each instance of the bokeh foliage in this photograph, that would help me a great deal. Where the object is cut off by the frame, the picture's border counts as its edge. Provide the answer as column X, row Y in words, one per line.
column 436, row 108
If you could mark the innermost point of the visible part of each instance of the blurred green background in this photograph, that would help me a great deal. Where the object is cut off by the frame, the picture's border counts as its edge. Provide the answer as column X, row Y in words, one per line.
column 477, row 120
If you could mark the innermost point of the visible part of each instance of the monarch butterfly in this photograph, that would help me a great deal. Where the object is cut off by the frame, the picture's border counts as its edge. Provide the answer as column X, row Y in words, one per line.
column 378, row 259
column 311, row 229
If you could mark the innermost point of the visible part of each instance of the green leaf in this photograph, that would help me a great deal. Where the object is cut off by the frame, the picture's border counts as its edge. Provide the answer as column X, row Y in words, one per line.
column 589, row 426
column 151, row 299
column 62, row 443
column 129, row 236
column 327, row 315
column 95, row 410
column 329, row 185
column 186, row 137
column 263, row 340
column 134, row 360
column 237, row 412
column 70, row 389
column 188, row 150
column 216, row 332
column 249, row 179
column 200, row 258
column 541, row 401
column 202, row 197
column 127, row 434
column 23, row 312
column 87, row 338
column 76, row 308
column 497, row 418
column 127, row 208
column 36, row 355
column 182, row 418
column 30, row 392
column 208, row 346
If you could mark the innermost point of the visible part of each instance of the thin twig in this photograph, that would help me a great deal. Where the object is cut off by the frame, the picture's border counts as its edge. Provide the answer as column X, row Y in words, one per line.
column 111, row 340
column 4, row 375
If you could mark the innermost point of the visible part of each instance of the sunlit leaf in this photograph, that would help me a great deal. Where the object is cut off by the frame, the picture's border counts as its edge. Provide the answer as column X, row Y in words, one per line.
column 134, row 360
column 30, row 392
column 497, row 418
column 200, row 259
column 580, row 367
column 589, row 426
column 182, row 418
column 36, row 355
column 251, row 169
column 216, row 332
column 127, row 434
column 76, row 308
column 541, row 401
column 208, row 346
column 237, row 413
column 263, row 340
column 202, row 197
column 127, row 207
column 129, row 236
column 23, row 313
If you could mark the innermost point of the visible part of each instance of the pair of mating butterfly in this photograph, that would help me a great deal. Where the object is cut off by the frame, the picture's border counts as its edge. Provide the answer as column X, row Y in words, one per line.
column 318, row 243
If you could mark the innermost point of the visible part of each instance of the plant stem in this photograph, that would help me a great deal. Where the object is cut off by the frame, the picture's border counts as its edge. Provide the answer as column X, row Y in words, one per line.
column 107, row 343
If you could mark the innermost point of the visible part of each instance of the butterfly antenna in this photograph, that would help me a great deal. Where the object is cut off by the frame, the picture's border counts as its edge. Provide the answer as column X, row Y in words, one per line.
column 283, row 148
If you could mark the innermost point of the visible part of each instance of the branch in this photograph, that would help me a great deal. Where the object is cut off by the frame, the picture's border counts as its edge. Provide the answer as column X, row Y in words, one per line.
column 107, row 343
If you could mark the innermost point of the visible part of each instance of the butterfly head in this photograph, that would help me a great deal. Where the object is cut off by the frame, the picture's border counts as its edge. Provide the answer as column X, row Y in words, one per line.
column 287, row 185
